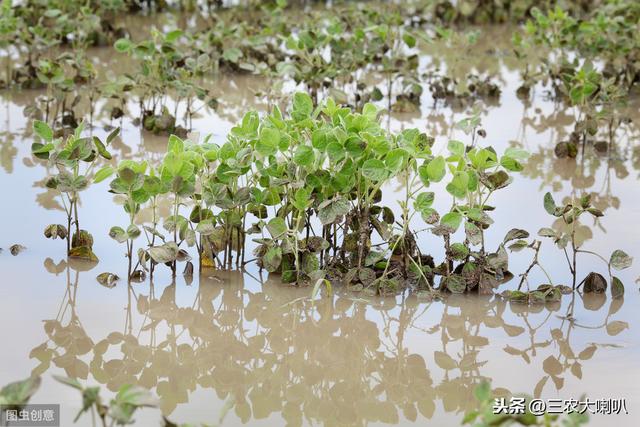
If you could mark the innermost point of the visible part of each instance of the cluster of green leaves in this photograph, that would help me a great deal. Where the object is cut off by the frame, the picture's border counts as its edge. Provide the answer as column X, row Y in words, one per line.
column 328, row 52
column 140, row 184
column 166, row 64
column 73, row 159
column 309, row 183
column 606, row 34
column 120, row 409
column 489, row 12
column 36, row 27
column 477, row 173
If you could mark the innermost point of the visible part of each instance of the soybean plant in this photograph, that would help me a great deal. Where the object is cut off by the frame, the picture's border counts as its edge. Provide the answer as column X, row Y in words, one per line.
column 67, row 156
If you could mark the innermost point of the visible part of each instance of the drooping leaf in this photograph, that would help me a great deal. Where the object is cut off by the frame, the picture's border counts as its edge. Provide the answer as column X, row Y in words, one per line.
column 616, row 327
column 84, row 253
column 595, row 282
column 550, row 204
column 617, row 288
column 100, row 147
column 277, row 227
column 444, row 361
column 272, row 259
column 331, row 210
column 552, row 366
column 71, row 382
column 168, row 252
column 515, row 233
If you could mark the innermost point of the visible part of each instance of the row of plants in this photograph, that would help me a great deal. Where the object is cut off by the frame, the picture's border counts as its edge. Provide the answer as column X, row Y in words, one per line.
column 331, row 52
column 303, row 190
column 571, row 45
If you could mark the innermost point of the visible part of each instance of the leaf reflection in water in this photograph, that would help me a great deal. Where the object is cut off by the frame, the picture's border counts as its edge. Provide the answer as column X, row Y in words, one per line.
column 339, row 360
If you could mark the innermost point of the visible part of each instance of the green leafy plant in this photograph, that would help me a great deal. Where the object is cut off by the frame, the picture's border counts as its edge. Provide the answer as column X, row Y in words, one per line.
column 120, row 409
column 68, row 156
column 567, row 240
column 17, row 394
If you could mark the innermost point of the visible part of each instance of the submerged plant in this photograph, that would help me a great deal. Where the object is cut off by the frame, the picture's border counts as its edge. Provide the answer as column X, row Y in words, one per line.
column 72, row 158
column 167, row 66
column 568, row 241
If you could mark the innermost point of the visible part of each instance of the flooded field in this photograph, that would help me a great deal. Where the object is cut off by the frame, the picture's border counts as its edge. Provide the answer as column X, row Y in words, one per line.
column 241, row 347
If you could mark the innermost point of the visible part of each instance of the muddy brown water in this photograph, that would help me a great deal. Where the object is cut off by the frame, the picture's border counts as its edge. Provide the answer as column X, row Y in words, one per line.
column 242, row 348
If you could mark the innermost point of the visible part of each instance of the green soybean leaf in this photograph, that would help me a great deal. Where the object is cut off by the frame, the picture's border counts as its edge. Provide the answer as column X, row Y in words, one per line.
column 277, row 227
column 122, row 45
column 272, row 259
column 516, row 153
column 104, row 173
column 436, row 169
column 374, row 170
column 452, row 220
column 102, row 150
column 267, row 145
column 511, row 164
column 395, row 159
column 304, row 156
column 459, row 251
column 135, row 396
column 302, row 106
column 459, row 185
column 456, row 148
column 424, row 201
column 43, row 130
column 175, row 145
column 118, row 234
column 302, row 199
column 17, row 394
column 114, row 133
column 173, row 36
column 232, row 54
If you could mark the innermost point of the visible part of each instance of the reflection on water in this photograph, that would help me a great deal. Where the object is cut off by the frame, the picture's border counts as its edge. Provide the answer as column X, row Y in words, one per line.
column 268, row 350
